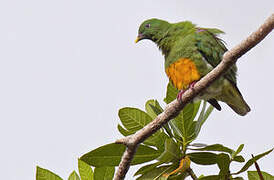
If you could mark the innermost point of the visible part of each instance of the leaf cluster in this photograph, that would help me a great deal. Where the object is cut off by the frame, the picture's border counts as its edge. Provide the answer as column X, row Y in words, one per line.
column 170, row 150
column 85, row 171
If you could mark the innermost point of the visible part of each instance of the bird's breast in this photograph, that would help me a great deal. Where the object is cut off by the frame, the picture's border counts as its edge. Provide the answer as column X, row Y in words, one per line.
column 182, row 73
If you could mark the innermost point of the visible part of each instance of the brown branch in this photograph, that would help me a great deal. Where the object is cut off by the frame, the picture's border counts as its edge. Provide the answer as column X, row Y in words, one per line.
column 174, row 108
column 191, row 173
column 258, row 169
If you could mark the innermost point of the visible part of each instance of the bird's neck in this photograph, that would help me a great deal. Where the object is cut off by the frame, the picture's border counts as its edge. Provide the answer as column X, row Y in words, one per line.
column 164, row 42
column 164, row 45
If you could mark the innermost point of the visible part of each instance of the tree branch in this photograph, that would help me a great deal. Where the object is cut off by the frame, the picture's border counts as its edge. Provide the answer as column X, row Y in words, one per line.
column 191, row 173
column 174, row 108
column 258, row 169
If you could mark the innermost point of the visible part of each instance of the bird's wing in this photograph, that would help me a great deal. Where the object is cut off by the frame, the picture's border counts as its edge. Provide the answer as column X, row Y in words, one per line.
column 212, row 49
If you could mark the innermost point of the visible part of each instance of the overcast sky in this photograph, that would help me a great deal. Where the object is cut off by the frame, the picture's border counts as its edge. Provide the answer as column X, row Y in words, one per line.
column 66, row 67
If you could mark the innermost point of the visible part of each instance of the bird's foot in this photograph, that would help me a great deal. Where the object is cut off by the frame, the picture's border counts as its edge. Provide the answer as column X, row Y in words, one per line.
column 181, row 92
column 192, row 85
column 179, row 95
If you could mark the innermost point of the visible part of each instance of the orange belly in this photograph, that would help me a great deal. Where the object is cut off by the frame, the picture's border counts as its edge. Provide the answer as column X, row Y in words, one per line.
column 182, row 73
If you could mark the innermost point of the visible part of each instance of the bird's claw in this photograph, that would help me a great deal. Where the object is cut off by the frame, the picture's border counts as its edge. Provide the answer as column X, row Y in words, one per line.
column 192, row 85
column 179, row 95
column 181, row 92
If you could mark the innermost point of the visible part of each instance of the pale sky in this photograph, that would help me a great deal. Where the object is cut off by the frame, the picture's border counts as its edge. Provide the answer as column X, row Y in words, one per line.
column 66, row 67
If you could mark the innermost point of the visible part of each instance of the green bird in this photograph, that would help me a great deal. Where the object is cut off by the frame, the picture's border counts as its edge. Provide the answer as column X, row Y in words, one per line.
column 190, row 53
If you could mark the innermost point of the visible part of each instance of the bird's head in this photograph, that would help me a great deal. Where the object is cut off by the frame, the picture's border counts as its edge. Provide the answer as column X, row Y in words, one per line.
column 152, row 29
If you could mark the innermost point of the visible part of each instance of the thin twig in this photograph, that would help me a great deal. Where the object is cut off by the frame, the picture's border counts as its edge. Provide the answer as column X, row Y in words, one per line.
column 174, row 108
column 191, row 173
column 258, row 169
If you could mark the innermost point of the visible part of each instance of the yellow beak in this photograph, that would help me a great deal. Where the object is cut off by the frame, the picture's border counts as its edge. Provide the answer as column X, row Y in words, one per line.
column 137, row 39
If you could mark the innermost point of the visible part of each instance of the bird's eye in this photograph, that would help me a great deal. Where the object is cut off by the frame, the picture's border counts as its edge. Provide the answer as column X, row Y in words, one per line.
column 147, row 25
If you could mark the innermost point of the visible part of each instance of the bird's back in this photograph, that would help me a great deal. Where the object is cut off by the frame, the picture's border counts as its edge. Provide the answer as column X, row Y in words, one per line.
column 190, row 53
column 193, row 53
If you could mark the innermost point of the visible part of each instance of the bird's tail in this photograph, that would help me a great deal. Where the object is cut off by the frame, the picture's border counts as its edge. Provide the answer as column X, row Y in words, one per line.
column 233, row 97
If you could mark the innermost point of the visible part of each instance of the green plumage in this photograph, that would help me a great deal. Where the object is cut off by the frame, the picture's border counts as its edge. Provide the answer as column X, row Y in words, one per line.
column 203, row 47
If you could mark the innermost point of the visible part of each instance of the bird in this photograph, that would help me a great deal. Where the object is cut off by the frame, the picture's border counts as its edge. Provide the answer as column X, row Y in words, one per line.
column 190, row 52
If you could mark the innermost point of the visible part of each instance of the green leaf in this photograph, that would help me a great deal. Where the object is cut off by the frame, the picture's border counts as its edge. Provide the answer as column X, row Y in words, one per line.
column 238, row 178
column 211, row 177
column 184, row 123
column 147, row 168
column 188, row 112
column 171, row 93
column 191, row 132
column 85, row 170
column 171, row 153
column 252, row 160
column 153, row 105
column 153, row 108
column 180, row 176
column 197, row 105
column 215, row 147
column 203, row 158
column 168, row 130
column 123, row 131
column 202, row 117
column 239, row 159
column 110, row 155
column 156, row 174
column 188, row 125
column 253, row 175
column 175, row 129
column 198, row 145
column 103, row 173
column 73, row 176
column 208, row 112
column 133, row 119
column 223, row 162
column 189, row 122
column 240, row 148
column 157, row 140
column 44, row 174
